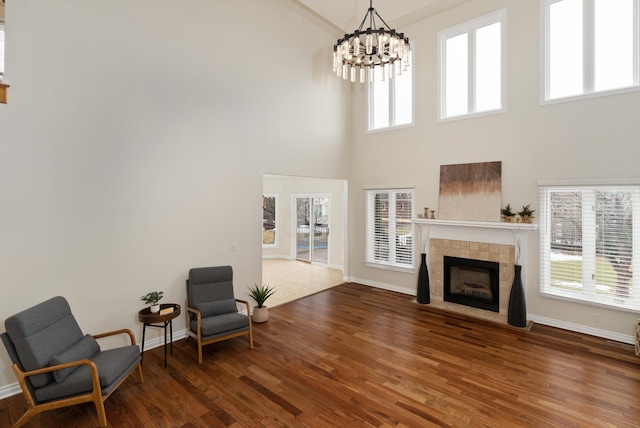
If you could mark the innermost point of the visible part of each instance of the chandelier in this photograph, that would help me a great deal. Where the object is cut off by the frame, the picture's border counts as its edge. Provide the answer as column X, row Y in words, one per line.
column 359, row 53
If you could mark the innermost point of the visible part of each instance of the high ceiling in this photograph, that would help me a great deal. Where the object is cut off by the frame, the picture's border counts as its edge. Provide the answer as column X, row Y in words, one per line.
column 347, row 14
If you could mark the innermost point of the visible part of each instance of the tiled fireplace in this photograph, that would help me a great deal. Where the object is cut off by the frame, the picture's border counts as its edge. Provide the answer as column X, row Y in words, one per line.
column 480, row 241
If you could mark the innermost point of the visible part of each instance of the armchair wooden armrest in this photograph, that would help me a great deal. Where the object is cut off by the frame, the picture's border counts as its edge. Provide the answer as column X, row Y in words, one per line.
column 198, row 319
column 247, row 305
column 116, row 332
column 22, row 375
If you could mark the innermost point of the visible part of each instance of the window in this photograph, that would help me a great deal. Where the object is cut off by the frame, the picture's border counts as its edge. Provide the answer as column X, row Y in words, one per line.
column 269, row 220
column 389, row 236
column 590, row 243
column 590, row 47
column 390, row 97
column 472, row 63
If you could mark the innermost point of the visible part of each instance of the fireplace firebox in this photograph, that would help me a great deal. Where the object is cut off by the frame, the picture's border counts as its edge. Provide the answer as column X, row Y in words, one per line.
column 472, row 283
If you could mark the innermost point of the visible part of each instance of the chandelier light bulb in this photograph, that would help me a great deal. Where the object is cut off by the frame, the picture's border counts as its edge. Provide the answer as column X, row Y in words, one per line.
column 362, row 74
column 368, row 43
column 356, row 45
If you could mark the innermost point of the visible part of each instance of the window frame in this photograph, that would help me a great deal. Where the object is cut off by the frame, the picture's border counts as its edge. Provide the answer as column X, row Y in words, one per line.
column 369, row 256
column 587, row 293
column 371, row 101
column 470, row 27
column 588, row 61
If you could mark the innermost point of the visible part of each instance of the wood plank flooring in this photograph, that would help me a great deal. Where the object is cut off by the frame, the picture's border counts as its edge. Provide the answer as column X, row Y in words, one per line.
column 354, row 356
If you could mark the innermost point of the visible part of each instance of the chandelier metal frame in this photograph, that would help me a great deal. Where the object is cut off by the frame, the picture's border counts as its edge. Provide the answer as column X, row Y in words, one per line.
column 381, row 46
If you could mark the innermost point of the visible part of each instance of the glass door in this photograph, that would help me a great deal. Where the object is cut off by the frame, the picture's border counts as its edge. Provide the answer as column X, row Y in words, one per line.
column 312, row 229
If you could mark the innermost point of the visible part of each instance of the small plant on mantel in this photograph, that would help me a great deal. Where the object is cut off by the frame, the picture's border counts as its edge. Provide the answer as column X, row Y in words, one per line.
column 526, row 214
column 508, row 215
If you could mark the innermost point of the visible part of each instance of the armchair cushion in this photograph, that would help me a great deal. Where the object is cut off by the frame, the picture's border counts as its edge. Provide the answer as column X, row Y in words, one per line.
column 111, row 364
column 208, row 309
column 44, row 330
column 224, row 323
column 86, row 347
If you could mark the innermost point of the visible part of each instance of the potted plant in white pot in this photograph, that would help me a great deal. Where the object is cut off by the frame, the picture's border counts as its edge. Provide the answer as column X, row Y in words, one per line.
column 152, row 300
column 260, row 294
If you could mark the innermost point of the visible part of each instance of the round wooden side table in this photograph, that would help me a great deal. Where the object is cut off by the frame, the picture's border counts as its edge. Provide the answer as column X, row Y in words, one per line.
column 168, row 311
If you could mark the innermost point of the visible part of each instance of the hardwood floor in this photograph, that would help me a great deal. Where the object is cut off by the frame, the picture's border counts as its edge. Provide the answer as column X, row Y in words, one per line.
column 357, row 356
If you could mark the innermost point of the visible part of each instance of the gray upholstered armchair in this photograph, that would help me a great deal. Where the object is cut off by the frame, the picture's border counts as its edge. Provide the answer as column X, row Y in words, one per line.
column 212, row 312
column 57, row 365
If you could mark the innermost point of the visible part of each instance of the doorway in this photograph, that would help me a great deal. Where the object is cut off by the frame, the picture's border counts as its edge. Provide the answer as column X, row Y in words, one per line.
column 312, row 228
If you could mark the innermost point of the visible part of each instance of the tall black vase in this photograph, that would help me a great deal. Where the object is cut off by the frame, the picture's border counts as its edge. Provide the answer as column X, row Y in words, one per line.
column 517, row 315
column 423, row 282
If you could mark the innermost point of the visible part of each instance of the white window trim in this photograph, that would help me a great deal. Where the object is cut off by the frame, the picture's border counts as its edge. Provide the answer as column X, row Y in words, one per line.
column 588, row 46
column 392, row 107
column 467, row 27
column 369, row 231
column 615, row 303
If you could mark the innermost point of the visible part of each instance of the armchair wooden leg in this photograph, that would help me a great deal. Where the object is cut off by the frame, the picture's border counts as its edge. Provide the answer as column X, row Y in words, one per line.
column 102, row 415
column 139, row 372
column 30, row 413
column 199, row 352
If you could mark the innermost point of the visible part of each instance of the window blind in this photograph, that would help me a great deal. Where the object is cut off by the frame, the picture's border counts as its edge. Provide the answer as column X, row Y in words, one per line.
column 589, row 246
column 389, row 233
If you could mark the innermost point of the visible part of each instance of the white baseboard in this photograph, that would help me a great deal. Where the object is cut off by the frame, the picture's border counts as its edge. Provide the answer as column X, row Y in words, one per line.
column 618, row 337
column 9, row 390
column 605, row 334
column 159, row 341
column 383, row 286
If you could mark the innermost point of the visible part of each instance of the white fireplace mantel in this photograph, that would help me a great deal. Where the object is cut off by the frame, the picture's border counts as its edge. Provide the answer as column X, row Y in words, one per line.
column 513, row 235
column 477, row 231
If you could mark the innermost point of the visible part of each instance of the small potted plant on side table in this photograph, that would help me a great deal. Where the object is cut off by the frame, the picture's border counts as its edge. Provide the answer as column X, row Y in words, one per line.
column 260, row 294
column 152, row 300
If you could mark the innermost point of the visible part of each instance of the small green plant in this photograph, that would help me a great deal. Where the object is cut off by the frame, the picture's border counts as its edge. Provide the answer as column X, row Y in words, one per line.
column 506, row 211
column 152, row 298
column 526, row 211
column 260, row 293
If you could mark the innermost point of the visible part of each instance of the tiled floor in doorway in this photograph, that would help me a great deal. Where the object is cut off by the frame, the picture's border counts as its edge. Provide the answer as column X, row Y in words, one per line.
column 294, row 279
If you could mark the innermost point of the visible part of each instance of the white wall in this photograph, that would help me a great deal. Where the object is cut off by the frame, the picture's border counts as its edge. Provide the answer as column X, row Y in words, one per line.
column 286, row 187
column 135, row 139
column 595, row 138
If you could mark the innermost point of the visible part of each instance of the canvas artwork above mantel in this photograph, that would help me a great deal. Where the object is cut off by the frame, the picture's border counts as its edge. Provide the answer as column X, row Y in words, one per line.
column 471, row 191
